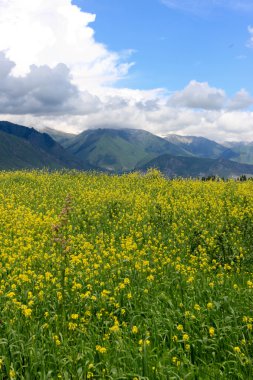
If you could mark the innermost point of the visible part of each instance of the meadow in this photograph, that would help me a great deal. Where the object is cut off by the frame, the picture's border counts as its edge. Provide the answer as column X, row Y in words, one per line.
column 125, row 277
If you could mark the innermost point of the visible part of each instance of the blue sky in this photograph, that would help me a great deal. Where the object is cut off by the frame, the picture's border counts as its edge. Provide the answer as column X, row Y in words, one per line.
column 166, row 66
column 173, row 46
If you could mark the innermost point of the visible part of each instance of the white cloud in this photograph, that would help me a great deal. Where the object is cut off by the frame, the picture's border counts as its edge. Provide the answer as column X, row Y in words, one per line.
column 48, row 32
column 54, row 73
column 250, row 42
column 241, row 100
column 199, row 95
column 42, row 91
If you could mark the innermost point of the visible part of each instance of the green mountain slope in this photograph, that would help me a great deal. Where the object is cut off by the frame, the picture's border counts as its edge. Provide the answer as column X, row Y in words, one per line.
column 119, row 149
column 22, row 147
column 197, row 167
column 202, row 147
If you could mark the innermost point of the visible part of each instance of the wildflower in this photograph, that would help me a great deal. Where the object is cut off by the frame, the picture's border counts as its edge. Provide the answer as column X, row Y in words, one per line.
column 209, row 306
column 59, row 296
column 185, row 337
column 56, row 340
column 211, row 331
column 115, row 328
column 72, row 326
column 11, row 294
column 176, row 361
column 180, row 327
column 27, row 312
column 100, row 349
column 135, row 330
column 12, row 374
column 237, row 350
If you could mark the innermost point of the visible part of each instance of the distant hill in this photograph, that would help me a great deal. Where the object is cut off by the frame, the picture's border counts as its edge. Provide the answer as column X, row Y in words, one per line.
column 119, row 149
column 202, row 147
column 244, row 151
column 197, row 167
column 62, row 138
column 22, row 147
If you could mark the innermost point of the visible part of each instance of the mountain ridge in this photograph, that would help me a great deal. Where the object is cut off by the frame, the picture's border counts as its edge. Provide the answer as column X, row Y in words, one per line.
column 118, row 151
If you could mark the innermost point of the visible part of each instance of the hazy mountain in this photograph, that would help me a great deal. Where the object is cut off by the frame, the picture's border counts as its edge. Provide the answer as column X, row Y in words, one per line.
column 197, row 167
column 202, row 147
column 244, row 151
column 22, row 147
column 62, row 138
column 119, row 149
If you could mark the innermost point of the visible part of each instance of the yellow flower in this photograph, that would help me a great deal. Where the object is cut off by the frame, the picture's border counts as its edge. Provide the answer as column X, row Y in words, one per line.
column 74, row 316
column 237, row 349
column 59, row 296
column 72, row 326
column 27, row 312
column 185, row 337
column 135, row 330
column 115, row 328
column 12, row 374
column 180, row 327
column 100, row 349
column 176, row 361
column 211, row 331
column 209, row 306
column 11, row 294
column 56, row 340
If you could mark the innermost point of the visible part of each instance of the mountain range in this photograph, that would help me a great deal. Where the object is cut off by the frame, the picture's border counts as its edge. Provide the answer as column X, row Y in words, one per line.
column 122, row 150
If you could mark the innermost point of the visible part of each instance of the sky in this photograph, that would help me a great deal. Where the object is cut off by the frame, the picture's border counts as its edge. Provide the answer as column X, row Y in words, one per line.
column 166, row 66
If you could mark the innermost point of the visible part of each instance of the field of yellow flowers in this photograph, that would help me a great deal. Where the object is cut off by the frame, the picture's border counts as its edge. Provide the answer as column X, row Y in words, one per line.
column 125, row 277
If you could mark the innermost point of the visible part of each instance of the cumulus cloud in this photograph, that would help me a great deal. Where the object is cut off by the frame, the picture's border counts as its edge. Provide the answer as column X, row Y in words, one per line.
column 42, row 90
column 53, row 73
column 199, row 95
column 241, row 100
column 46, row 32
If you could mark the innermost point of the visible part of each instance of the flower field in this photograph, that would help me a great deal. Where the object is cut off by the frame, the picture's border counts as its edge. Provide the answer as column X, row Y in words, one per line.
column 125, row 277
